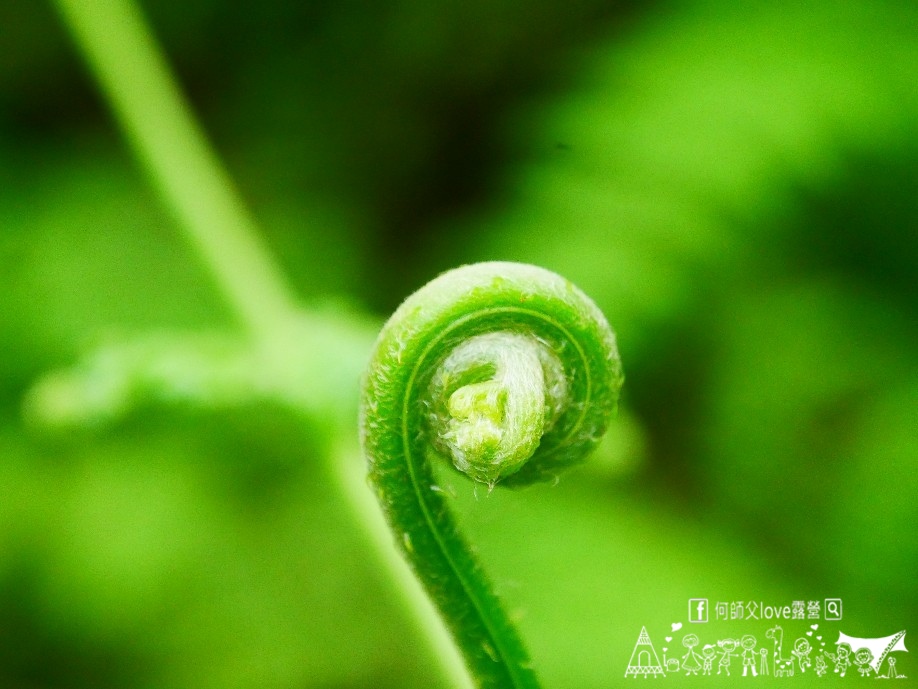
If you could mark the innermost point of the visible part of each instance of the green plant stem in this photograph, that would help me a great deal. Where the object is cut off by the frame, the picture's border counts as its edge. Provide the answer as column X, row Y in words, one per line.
column 149, row 107
column 349, row 468
column 151, row 110
column 451, row 375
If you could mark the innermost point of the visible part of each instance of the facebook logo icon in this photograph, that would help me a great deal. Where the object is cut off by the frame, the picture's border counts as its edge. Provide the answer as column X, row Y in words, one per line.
column 698, row 610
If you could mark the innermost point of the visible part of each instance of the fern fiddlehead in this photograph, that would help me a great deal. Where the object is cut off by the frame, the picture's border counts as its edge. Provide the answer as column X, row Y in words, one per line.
column 509, row 372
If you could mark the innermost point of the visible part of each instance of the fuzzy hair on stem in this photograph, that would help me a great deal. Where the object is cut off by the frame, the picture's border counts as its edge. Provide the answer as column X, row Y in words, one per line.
column 511, row 374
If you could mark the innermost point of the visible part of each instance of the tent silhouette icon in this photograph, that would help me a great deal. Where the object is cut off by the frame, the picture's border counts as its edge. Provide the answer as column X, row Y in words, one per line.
column 644, row 660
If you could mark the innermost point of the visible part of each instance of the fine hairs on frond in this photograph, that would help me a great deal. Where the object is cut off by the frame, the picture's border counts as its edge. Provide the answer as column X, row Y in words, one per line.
column 492, row 399
column 511, row 372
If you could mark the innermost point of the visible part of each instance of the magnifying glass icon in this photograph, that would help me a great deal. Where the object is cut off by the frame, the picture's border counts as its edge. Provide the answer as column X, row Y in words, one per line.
column 833, row 609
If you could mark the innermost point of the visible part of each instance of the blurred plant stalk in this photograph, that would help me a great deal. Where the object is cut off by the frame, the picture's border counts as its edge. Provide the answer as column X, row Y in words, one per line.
column 151, row 111
column 149, row 107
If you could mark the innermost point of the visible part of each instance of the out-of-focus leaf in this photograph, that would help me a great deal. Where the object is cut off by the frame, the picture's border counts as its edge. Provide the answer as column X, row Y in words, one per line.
column 180, row 551
column 85, row 251
column 676, row 186
column 659, row 176
column 803, row 437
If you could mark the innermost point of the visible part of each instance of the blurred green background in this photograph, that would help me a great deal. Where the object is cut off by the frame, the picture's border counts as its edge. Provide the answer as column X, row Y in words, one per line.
column 736, row 185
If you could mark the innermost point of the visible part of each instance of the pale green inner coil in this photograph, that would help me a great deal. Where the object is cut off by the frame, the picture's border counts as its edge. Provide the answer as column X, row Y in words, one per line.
column 493, row 398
